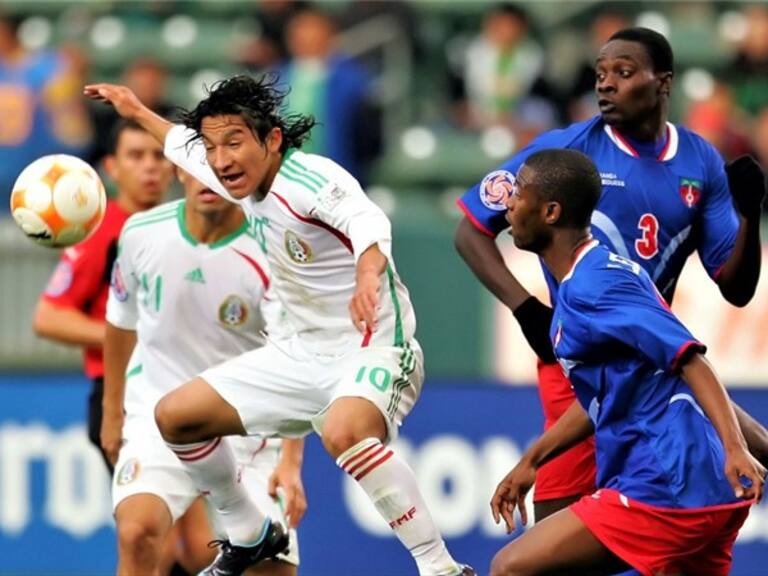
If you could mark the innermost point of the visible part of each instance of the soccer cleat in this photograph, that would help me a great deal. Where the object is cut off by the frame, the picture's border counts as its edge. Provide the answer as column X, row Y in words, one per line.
column 467, row 570
column 234, row 560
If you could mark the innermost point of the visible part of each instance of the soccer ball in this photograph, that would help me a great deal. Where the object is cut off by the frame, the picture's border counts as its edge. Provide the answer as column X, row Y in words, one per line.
column 58, row 200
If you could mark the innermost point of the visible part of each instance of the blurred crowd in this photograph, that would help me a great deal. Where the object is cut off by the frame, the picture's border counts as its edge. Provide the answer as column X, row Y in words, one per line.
column 368, row 69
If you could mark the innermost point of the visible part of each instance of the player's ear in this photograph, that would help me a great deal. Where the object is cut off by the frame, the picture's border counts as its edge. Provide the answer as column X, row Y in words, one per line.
column 110, row 166
column 665, row 83
column 552, row 212
column 274, row 140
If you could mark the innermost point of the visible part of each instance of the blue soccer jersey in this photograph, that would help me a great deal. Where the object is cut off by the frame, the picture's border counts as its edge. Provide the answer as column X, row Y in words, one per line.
column 620, row 346
column 657, row 206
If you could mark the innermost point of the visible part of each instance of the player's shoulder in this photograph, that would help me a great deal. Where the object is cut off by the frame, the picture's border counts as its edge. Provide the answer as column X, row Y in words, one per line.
column 688, row 140
column 315, row 173
column 598, row 271
column 153, row 221
column 572, row 136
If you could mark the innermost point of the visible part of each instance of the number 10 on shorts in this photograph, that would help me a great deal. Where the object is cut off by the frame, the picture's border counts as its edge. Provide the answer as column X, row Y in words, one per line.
column 378, row 377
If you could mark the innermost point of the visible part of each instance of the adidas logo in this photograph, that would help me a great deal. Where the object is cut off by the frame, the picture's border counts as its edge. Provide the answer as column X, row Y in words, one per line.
column 195, row 275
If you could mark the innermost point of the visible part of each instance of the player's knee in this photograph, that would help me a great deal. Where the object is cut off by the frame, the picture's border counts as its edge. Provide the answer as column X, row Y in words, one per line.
column 166, row 420
column 138, row 538
column 506, row 562
column 337, row 439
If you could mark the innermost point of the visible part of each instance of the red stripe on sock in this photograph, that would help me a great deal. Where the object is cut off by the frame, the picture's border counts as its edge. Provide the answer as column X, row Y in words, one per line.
column 199, row 453
column 354, row 458
column 373, row 466
column 367, row 459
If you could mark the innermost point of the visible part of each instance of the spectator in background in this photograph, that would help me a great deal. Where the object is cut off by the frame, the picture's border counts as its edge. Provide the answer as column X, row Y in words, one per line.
column 268, row 47
column 719, row 121
column 41, row 111
column 498, row 75
column 761, row 137
column 332, row 88
column 146, row 77
column 748, row 74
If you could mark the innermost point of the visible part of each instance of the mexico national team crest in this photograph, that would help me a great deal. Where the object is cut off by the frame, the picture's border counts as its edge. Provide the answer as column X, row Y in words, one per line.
column 690, row 191
column 233, row 312
column 128, row 472
column 298, row 249
column 495, row 188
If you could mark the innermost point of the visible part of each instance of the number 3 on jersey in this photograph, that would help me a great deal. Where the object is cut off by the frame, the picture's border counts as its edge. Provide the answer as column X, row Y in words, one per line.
column 647, row 246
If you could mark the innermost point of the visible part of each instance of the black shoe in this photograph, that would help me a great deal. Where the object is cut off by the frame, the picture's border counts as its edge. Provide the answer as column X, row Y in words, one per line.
column 467, row 570
column 234, row 560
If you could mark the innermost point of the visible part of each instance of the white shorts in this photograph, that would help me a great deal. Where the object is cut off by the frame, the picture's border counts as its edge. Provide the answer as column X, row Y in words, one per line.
column 282, row 389
column 147, row 466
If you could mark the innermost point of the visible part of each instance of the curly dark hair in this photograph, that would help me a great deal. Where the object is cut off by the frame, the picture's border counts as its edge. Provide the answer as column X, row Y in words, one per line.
column 259, row 101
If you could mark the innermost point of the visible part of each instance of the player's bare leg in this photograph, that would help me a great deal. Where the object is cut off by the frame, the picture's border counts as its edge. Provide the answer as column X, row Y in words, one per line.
column 143, row 522
column 187, row 544
column 193, row 420
column 544, row 508
column 354, row 433
column 561, row 544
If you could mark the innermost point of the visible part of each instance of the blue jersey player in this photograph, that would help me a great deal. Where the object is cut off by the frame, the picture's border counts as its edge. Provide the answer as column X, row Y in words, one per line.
column 666, row 193
column 675, row 479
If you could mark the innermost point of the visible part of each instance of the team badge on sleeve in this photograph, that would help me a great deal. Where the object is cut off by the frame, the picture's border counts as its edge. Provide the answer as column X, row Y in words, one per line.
column 118, row 285
column 495, row 188
column 61, row 279
column 690, row 191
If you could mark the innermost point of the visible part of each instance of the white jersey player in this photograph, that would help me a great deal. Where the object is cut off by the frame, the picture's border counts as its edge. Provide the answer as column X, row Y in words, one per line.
column 352, row 379
column 191, row 288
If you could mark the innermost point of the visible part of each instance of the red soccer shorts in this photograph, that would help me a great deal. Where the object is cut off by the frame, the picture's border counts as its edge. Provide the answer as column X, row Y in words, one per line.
column 664, row 541
column 573, row 472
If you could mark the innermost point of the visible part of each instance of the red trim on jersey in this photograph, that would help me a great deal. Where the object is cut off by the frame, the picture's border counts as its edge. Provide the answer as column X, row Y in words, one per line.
column 315, row 222
column 366, row 338
column 716, row 275
column 634, row 152
column 256, row 266
column 683, row 349
column 471, row 217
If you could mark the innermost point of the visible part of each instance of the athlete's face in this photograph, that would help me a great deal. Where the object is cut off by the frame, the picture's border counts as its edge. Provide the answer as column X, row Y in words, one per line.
column 528, row 213
column 139, row 168
column 243, row 163
column 201, row 198
column 628, row 90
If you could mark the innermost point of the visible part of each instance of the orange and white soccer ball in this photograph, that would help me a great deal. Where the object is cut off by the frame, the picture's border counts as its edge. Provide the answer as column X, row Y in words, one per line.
column 58, row 200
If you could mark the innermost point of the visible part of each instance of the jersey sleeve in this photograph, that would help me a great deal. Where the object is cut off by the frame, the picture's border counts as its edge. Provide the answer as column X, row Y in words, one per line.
column 186, row 150
column 77, row 278
column 485, row 203
column 630, row 310
column 719, row 221
column 345, row 207
column 122, row 307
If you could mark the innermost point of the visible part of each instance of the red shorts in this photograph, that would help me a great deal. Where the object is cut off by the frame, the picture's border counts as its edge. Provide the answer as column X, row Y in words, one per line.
column 573, row 472
column 664, row 541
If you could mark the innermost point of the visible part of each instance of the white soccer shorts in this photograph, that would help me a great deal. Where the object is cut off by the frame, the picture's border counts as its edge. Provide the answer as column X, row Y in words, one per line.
column 282, row 389
column 147, row 466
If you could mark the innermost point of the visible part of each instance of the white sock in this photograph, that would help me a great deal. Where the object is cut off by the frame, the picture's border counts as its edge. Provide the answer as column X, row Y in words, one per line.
column 391, row 486
column 211, row 465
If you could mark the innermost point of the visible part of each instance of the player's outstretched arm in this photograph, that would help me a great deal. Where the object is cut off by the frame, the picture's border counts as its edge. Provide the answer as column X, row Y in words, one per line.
column 67, row 325
column 118, row 347
column 738, row 278
column 572, row 427
column 287, row 477
column 483, row 257
column 128, row 105
column 712, row 397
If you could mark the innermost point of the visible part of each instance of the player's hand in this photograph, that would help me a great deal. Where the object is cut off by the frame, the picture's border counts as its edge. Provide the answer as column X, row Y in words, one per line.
column 287, row 478
column 126, row 103
column 363, row 308
column 746, row 181
column 511, row 492
column 112, row 434
column 746, row 475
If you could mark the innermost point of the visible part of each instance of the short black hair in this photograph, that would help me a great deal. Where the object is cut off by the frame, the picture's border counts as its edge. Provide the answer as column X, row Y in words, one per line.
column 657, row 47
column 512, row 10
column 569, row 178
column 117, row 130
column 259, row 101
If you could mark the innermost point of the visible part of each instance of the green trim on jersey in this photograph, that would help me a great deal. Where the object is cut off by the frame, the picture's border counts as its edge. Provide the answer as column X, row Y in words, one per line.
column 295, row 171
column 158, row 292
column 407, row 364
column 181, row 215
column 396, row 304
column 294, row 176
column 299, row 166
column 158, row 214
column 134, row 371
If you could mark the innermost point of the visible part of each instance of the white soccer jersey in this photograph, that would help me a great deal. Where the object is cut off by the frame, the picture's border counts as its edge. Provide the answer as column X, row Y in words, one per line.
column 192, row 305
column 317, row 221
